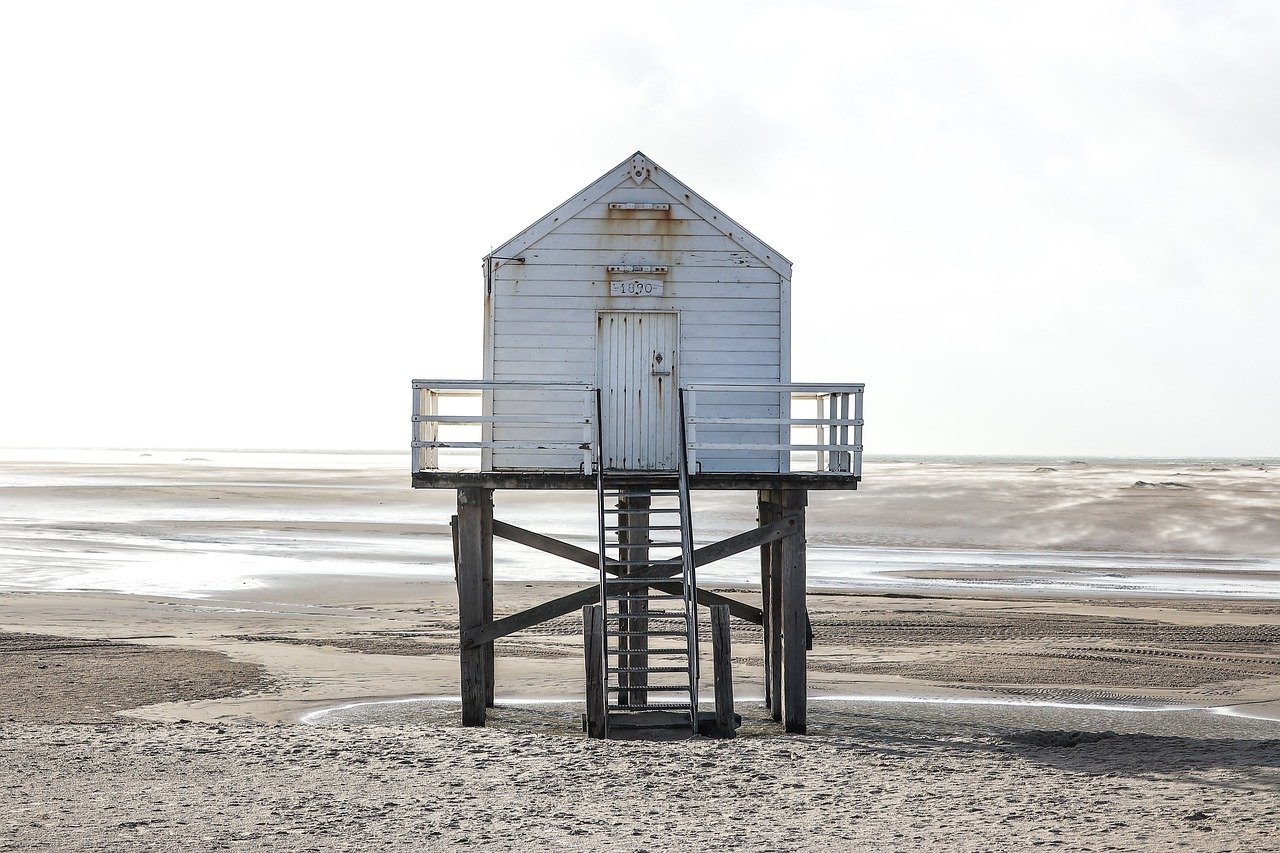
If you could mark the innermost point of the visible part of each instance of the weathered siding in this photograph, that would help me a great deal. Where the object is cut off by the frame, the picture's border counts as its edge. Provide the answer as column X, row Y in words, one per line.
column 544, row 308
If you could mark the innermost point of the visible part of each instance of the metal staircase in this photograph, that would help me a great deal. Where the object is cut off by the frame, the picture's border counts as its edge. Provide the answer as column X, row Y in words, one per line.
column 648, row 591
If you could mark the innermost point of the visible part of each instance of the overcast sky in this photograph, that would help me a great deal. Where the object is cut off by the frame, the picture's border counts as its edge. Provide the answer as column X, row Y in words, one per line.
column 1028, row 227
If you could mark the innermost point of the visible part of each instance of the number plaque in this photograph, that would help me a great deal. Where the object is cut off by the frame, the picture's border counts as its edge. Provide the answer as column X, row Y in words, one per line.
column 636, row 287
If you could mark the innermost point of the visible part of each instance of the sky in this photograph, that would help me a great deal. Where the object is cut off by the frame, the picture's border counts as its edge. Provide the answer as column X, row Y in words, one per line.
column 1030, row 228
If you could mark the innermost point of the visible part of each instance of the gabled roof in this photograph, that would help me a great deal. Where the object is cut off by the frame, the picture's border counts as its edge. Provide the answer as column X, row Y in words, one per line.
column 637, row 168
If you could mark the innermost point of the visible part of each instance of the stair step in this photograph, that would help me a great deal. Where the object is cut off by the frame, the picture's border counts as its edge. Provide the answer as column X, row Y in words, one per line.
column 648, row 634
column 645, row 527
column 640, row 580
column 649, row 651
column 642, row 494
column 648, row 614
column 638, row 478
column 662, row 597
column 615, row 510
column 652, row 706
column 651, row 688
column 614, row 669
column 644, row 544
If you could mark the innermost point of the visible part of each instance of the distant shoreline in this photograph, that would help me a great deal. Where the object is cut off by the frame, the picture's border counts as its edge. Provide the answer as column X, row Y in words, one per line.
column 869, row 456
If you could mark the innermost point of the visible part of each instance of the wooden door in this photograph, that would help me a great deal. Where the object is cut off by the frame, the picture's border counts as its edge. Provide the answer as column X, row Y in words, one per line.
column 638, row 374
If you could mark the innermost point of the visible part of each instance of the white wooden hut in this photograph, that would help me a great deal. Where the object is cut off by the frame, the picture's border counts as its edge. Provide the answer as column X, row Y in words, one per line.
column 637, row 342
column 639, row 285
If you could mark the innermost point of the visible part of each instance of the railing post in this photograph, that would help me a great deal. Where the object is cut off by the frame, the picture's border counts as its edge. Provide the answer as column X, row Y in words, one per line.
column 785, row 431
column 433, row 430
column 822, row 456
column 414, row 450
column 588, row 437
column 833, row 434
column 857, row 433
column 844, row 432
column 487, row 429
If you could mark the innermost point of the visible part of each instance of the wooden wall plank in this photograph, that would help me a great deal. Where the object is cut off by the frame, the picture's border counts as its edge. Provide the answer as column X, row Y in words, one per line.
column 557, row 241
column 626, row 223
column 667, row 257
column 598, row 288
column 728, row 326
column 548, row 271
column 578, row 332
column 716, row 306
column 628, row 190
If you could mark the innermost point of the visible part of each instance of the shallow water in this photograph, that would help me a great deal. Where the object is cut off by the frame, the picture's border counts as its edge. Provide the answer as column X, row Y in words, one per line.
column 195, row 523
column 841, row 714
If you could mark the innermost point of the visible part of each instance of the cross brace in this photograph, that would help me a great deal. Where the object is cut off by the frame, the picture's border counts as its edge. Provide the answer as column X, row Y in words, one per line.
column 566, row 604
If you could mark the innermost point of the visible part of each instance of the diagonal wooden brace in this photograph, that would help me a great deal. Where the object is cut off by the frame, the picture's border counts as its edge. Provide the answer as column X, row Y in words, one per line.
column 701, row 556
column 567, row 604
column 656, row 576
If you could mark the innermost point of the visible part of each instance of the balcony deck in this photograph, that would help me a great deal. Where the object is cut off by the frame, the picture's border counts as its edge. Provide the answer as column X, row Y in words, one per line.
column 830, row 460
column 569, row 480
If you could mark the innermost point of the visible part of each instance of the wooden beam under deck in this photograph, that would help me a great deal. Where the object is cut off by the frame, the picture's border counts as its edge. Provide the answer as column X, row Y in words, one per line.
column 572, row 480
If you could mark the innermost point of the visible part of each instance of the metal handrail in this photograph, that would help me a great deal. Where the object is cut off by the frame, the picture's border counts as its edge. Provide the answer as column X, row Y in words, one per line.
column 689, row 570
column 600, row 555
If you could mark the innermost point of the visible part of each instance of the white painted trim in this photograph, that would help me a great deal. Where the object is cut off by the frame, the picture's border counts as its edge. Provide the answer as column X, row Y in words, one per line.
column 588, row 195
column 784, row 366
column 486, row 404
column 681, row 192
column 673, row 186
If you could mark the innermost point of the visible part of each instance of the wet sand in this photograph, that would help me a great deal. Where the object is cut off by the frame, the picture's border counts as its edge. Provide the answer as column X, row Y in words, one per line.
column 1022, row 706
column 1069, row 724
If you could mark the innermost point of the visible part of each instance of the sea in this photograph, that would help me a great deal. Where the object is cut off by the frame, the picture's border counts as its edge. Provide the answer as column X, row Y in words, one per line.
column 194, row 523
column 191, row 523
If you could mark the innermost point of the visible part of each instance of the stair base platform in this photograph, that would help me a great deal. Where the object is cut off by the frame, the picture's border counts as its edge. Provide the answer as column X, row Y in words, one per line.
column 663, row 724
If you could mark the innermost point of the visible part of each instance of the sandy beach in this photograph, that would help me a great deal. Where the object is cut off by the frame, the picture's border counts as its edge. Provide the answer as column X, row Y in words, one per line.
column 217, row 650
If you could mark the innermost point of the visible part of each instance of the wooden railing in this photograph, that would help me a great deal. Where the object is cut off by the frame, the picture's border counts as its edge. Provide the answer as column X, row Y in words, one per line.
column 838, row 408
column 835, row 446
column 428, row 419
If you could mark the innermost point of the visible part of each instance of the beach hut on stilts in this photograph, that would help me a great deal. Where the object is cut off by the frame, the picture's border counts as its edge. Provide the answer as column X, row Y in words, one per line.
column 637, row 343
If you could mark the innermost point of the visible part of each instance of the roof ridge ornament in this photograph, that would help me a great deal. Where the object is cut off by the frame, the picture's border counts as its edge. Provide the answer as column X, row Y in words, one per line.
column 639, row 168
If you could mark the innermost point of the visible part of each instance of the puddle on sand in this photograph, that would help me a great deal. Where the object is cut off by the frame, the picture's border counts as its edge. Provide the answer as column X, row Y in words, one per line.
column 836, row 714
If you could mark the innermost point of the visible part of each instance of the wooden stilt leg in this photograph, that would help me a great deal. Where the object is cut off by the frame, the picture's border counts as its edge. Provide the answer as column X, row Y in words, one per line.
column 795, row 615
column 773, row 611
column 471, row 594
column 722, row 667
column 593, row 654
column 764, row 516
column 486, row 564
